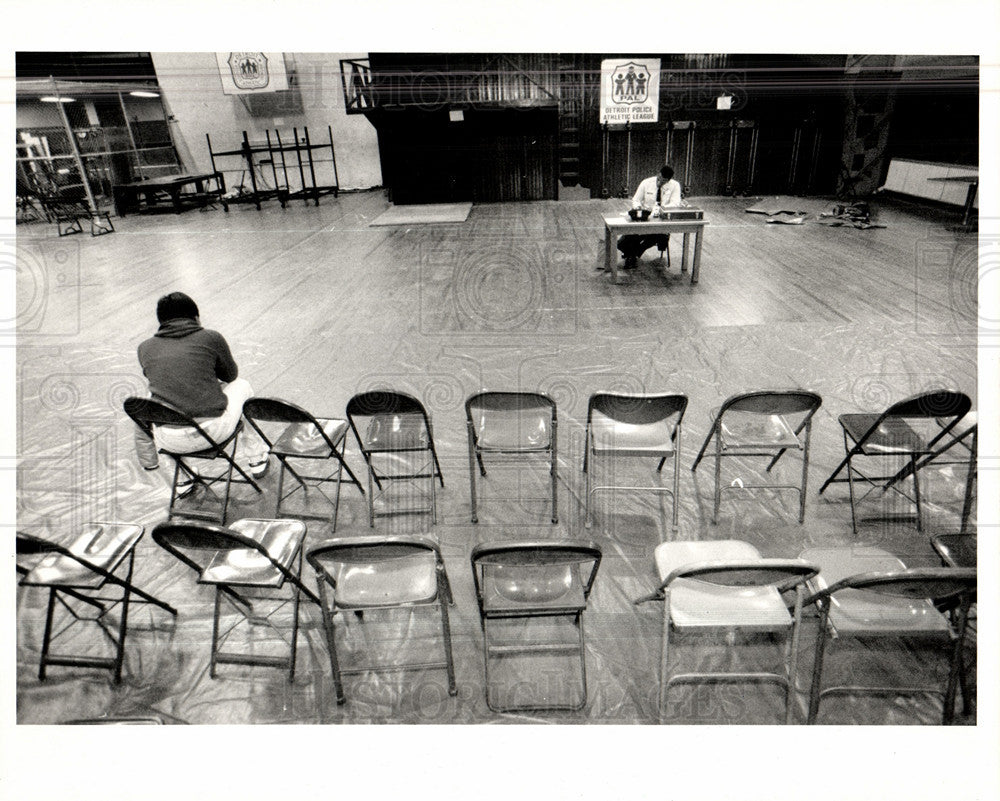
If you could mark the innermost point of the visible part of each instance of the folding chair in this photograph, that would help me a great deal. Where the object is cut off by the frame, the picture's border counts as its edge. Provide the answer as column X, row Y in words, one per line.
column 726, row 585
column 890, row 434
column 638, row 426
column 869, row 593
column 251, row 560
column 956, row 550
column 540, row 579
column 372, row 573
column 511, row 423
column 81, row 571
column 394, row 424
column 965, row 435
column 146, row 413
column 762, row 424
column 302, row 437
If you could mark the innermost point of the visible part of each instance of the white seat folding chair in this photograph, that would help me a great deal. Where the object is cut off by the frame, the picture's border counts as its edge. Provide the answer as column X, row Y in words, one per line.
column 866, row 592
column 725, row 585
column 634, row 426
column 764, row 423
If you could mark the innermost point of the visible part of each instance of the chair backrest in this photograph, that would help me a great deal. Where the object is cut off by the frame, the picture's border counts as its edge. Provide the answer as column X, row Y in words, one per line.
column 384, row 401
column 146, row 412
column 534, row 412
column 936, row 583
column 793, row 401
column 783, row 574
column 275, row 410
column 29, row 545
column 947, row 406
column 537, row 553
column 368, row 550
column 638, row 409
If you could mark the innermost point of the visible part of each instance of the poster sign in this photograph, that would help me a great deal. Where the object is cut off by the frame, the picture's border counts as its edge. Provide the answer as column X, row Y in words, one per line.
column 247, row 73
column 630, row 90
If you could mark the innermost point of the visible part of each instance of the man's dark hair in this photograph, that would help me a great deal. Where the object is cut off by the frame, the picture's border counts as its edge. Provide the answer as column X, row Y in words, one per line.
column 175, row 305
column 667, row 171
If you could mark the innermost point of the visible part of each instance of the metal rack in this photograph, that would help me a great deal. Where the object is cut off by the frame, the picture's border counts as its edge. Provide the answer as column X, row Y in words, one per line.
column 257, row 156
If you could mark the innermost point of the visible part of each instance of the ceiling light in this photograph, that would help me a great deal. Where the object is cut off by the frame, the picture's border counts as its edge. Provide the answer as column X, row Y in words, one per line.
column 144, row 94
column 53, row 99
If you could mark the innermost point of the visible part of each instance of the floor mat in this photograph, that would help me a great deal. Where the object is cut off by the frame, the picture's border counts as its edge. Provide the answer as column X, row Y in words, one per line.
column 424, row 214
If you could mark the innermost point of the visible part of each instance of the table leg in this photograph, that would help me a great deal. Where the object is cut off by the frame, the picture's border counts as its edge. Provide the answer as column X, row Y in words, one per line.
column 696, row 262
column 175, row 198
column 610, row 262
column 684, row 254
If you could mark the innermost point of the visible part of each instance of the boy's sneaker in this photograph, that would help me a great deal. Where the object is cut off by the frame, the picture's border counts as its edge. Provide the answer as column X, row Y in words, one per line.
column 259, row 470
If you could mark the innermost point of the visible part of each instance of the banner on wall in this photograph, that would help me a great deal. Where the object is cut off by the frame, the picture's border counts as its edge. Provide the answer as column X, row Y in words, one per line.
column 252, row 73
column 630, row 90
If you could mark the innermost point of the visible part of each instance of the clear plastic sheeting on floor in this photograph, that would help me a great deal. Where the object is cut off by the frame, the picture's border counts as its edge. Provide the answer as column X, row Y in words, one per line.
column 510, row 299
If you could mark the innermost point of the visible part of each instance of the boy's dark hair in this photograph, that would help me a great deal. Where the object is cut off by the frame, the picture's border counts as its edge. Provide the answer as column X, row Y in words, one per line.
column 175, row 305
column 667, row 171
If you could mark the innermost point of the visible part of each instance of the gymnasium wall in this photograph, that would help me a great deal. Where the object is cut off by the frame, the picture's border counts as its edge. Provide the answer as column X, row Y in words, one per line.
column 193, row 94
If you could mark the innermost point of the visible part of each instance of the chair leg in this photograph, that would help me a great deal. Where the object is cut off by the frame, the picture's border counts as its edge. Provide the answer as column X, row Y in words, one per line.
column 434, row 514
column 371, row 496
column 675, row 521
column 805, row 474
column 956, row 672
column 587, row 518
column 916, row 489
column 664, row 655
column 331, row 646
column 46, row 637
column 793, row 657
column 295, row 624
column 446, row 633
column 123, row 624
column 215, row 630
column 554, row 470
column 850, row 486
column 718, row 480
column 340, row 481
column 970, row 483
column 472, row 476
column 817, row 676
column 583, row 658
column 281, row 486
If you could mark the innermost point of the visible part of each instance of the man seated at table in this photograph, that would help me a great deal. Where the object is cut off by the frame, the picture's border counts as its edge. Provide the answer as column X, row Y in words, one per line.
column 654, row 193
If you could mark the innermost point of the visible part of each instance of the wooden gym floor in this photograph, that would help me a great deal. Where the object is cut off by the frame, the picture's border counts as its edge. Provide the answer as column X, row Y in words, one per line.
column 318, row 306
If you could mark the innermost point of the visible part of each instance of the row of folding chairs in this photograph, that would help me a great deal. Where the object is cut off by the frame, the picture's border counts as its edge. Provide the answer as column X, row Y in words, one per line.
column 255, row 567
column 390, row 426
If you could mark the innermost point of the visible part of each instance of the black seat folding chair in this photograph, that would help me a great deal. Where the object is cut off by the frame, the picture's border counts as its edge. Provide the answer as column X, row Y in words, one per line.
column 147, row 413
column 390, row 428
column 725, row 585
column 904, row 431
column 359, row 574
column 537, row 579
column 301, row 437
column 765, row 423
column 964, row 436
column 252, row 563
column 634, row 426
column 102, row 557
column 866, row 592
column 515, row 424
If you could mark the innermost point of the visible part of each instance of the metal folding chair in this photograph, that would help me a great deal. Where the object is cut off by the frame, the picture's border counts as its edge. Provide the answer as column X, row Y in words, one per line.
column 390, row 427
column 515, row 424
column 726, row 585
column 251, row 561
column 891, row 434
column 102, row 555
column 362, row 574
column 765, row 423
column 301, row 437
column 634, row 426
column 867, row 592
column 147, row 413
column 538, row 579
column 965, row 436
